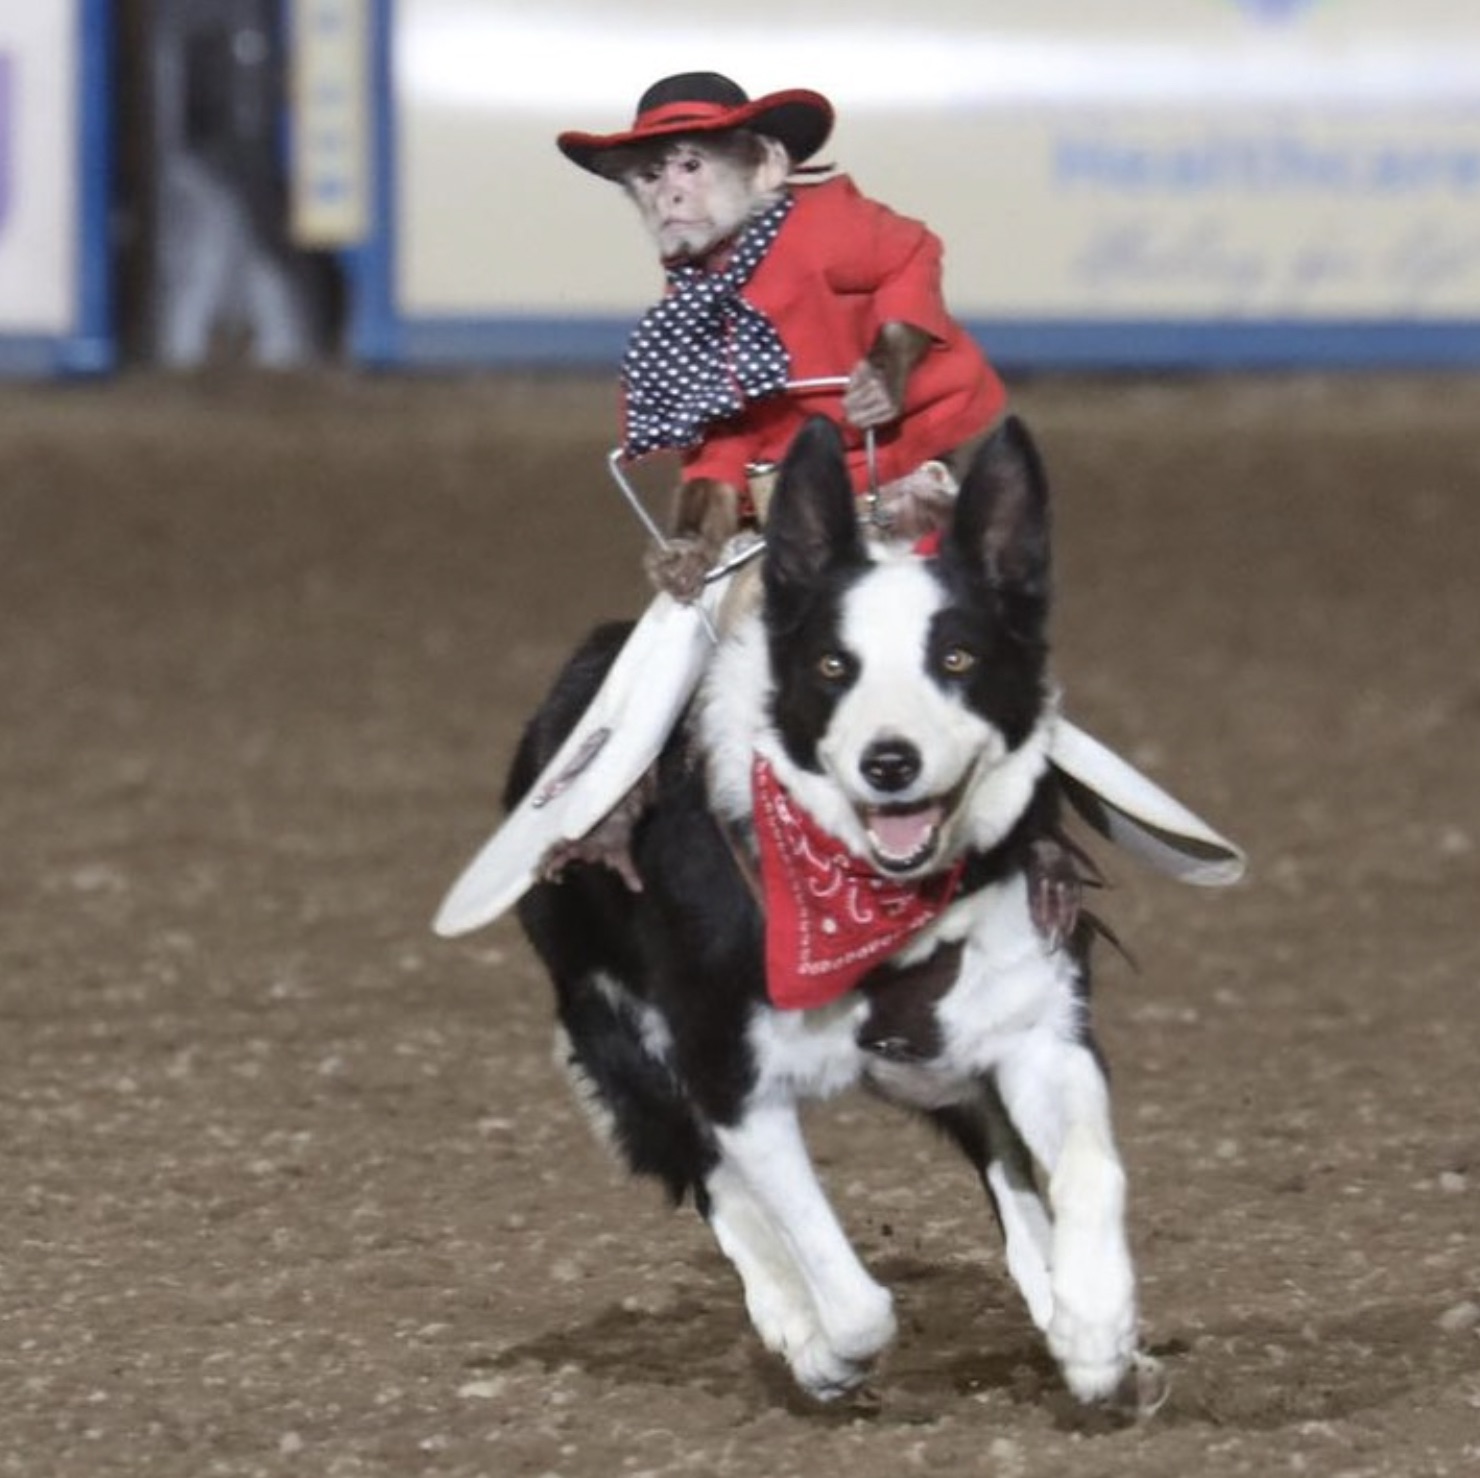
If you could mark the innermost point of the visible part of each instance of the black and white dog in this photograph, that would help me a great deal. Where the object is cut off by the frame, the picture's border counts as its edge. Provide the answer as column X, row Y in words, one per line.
column 869, row 755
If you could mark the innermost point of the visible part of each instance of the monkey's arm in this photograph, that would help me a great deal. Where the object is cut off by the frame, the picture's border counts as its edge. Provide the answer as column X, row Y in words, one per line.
column 875, row 392
column 706, row 512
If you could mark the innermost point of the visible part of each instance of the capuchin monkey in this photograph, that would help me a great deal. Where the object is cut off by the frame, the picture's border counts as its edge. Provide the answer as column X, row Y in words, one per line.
column 694, row 195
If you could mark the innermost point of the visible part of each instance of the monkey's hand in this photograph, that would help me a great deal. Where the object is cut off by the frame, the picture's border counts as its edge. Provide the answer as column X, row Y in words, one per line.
column 679, row 567
column 874, row 395
column 868, row 399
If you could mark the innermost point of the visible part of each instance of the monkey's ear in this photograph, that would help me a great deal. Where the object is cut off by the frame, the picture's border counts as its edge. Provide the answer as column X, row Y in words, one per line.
column 775, row 167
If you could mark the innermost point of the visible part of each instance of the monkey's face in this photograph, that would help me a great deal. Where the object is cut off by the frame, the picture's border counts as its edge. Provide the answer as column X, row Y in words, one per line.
column 693, row 195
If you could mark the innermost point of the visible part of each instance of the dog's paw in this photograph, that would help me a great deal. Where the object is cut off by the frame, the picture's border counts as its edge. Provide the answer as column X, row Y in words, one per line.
column 824, row 1374
column 1095, row 1359
column 832, row 1358
column 1092, row 1334
column 862, row 1331
column 827, row 1363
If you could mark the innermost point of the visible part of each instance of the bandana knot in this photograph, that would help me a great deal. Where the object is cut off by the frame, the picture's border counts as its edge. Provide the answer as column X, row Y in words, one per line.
column 830, row 916
column 703, row 352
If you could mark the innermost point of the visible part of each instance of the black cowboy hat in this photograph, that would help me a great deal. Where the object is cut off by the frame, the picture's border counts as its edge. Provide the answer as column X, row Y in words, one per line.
column 706, row 102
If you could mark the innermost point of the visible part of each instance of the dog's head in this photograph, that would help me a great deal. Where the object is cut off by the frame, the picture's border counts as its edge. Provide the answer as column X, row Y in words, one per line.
column 908, row 692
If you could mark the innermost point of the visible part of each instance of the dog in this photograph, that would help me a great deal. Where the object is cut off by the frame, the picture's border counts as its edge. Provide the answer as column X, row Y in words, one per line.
column 833, row 859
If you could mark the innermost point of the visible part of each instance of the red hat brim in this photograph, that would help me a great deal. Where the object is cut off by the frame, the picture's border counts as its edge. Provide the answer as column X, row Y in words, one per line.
column 802, row 120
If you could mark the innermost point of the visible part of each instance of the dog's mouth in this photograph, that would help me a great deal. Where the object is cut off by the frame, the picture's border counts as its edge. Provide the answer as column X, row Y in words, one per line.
column 903, row 838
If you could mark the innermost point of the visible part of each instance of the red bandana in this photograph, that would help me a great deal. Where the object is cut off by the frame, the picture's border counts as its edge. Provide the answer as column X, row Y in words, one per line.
column 830, row 916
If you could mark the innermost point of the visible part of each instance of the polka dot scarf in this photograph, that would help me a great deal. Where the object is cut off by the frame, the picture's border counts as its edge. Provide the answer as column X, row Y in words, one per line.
column 702, row 352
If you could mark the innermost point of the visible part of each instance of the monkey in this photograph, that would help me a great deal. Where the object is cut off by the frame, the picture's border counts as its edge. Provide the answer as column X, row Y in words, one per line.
column 693, row 194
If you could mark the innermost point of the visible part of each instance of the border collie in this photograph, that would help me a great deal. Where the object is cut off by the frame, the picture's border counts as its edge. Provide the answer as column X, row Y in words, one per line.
column 834, row 894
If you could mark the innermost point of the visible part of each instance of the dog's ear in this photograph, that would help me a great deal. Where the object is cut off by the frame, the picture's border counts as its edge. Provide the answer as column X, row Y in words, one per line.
column 812, row 526
column 1001, row 523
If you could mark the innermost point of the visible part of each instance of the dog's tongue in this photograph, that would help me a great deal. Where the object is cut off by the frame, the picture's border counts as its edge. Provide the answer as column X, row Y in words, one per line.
column 903, row 836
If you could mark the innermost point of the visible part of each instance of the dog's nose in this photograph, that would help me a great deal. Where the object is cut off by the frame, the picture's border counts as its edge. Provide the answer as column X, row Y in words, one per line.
column 890, row 765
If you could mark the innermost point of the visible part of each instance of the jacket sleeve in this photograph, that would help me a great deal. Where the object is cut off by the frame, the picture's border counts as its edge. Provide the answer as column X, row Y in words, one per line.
column 893, row 259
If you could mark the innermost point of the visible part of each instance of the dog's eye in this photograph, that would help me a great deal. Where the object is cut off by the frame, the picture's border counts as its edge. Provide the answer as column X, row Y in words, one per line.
column 832, row 666
column 957, row 661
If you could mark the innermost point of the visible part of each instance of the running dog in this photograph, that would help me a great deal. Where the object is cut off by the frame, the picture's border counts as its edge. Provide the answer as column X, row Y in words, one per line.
column 833, row 866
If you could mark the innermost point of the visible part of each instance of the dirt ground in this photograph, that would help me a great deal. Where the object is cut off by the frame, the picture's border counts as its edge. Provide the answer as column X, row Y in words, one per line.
column 289, row 1186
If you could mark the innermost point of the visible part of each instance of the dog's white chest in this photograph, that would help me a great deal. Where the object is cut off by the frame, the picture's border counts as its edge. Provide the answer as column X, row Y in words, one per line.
column 1010, row 983
column 810, row 1054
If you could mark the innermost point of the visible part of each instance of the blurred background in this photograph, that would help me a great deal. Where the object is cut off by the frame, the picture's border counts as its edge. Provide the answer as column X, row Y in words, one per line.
column 1160, row 184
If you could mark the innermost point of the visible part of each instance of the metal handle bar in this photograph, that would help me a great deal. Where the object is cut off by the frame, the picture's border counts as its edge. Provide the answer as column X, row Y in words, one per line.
column 655, row 532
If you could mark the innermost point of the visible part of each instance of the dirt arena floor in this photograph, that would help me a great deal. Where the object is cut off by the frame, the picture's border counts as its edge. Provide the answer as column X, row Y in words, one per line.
column 290, row 1186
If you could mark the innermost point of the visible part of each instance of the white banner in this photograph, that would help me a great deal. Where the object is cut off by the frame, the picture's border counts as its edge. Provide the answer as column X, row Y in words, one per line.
column 1285, row 212
column 1246, row 161
column 38, row 166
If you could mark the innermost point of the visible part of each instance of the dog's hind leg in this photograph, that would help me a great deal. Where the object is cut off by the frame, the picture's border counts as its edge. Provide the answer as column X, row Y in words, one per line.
column 1055, row 1093
column 985, row 1134
column 809, row 1296
column 614, row 1052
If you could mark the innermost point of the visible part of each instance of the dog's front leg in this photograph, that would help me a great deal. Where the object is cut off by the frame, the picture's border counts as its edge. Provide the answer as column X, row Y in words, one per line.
column 809, row 1296
column 1056, row 1095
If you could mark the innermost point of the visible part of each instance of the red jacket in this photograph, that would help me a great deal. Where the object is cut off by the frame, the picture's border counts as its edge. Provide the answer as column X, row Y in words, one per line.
column 842, row 267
